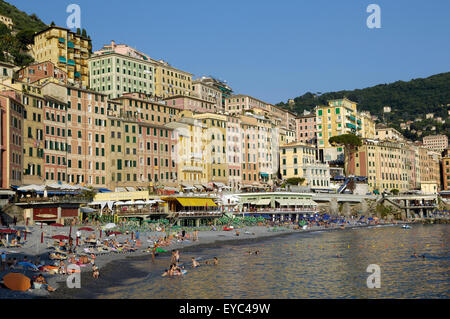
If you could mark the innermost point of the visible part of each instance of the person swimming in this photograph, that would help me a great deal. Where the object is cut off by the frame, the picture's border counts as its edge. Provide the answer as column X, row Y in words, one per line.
column 195, row 263
column 215, row 261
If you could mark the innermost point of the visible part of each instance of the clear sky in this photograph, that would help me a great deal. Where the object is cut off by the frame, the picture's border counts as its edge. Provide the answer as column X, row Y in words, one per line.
column 273, row 50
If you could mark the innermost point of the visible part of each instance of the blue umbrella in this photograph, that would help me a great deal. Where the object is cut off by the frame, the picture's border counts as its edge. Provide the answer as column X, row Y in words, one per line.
column 370, row 218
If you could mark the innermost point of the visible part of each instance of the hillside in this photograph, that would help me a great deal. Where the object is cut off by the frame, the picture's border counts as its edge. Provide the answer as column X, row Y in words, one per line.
column 408, row 101
column 14, row 43
column 21, row 20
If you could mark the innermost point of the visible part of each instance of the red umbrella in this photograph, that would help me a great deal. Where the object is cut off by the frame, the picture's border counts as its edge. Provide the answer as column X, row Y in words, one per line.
column 60, row 237
column 86, row 229
column 57, row 225
column 115, row 233
column 8, row 231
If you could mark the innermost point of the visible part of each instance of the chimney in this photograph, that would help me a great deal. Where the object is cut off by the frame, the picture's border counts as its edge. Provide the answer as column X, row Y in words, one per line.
column 113, row 44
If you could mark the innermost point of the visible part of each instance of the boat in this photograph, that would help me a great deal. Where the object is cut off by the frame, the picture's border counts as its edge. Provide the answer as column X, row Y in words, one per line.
column 406, row 227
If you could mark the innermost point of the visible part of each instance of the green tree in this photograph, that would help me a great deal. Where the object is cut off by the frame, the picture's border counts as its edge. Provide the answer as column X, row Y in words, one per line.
column 295, row 180
column 350, row 142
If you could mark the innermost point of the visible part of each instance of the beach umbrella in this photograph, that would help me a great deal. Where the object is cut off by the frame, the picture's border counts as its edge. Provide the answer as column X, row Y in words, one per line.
column 60, row 237
column 115, row 233
column 109, row 226
column 86, row 229
column 57, row 225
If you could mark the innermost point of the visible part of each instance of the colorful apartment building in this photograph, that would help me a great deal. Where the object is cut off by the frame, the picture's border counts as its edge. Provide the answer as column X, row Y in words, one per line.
column 306, row 129
column 190, row 150
column 193, row 104
column 340, row 117
column 300, row 160
column 234, row 151
column 446, row 173
column 11, row 139
column 170, row 81
column 216, row 154
column 207, row 92
column 118, row 69
column 386, row 165
column 42, row 71
column 68, row 50
column 225, row 90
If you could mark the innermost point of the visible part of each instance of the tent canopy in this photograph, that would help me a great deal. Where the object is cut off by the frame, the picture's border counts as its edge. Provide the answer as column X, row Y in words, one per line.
column 196, row 202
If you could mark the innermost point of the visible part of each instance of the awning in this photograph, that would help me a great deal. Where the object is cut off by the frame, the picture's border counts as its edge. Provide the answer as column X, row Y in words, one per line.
column 263, row 202
column 172, row 189
column 206, row 186
column 199, row 187
column 196, row 202
column 264, row 174
column 284, row 202
column 87, row 210
column 220, row 185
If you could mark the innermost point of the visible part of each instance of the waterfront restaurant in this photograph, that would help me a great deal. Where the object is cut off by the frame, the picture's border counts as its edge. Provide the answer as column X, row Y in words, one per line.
column 277, row 205
column 192, row 210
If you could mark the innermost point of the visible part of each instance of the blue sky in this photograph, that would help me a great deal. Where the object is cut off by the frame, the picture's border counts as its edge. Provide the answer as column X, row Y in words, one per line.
column 273, row 50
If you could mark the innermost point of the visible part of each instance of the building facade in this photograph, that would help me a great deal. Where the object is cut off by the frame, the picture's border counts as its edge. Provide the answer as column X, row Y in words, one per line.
column 67, row 50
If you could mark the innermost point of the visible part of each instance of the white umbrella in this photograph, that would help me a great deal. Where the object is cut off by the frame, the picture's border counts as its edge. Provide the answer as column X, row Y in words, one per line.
column 139, row 202
column 109, row 226
column 128, row 203
column 118, row 203
column 32, row 188
column 150, row 202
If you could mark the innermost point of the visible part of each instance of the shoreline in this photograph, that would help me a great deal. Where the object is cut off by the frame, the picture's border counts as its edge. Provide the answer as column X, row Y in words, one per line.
column 108, row 266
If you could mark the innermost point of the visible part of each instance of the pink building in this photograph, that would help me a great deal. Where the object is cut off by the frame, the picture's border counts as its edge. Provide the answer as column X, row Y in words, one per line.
column 11, row 139
column 192, row 104
column 43, row 70
column 306, row 129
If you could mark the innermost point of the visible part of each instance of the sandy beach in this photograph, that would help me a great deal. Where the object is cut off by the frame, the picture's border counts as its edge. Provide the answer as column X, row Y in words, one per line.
column 33, row 249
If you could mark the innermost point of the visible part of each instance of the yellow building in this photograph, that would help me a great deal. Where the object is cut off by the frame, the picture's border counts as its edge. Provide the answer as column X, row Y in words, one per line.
column 341, row 117
column 67, row 50
column 299, row 160
column 170, row 81
column 386, row 164
column 190, row 150
column 216, row 154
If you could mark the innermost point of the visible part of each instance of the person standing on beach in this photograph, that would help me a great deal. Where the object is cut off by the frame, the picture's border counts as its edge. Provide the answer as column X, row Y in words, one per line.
column 3, row 261
column 19, row 236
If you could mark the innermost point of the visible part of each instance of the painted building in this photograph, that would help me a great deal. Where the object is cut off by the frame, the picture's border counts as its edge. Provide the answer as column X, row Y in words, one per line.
column 170, row 81
column 190, row 103
column 446, row 173
column 306, row 129
column 40, row 71
column 382, row 132
column 207, row 92
column 340, row 117
column 115, row 72
column 11, row 139
column 300, row 160
column 234, row 151
column 67, row 50
column 386, row 164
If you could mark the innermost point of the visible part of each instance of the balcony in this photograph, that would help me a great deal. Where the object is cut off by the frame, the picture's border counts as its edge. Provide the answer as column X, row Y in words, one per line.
column 192, row 169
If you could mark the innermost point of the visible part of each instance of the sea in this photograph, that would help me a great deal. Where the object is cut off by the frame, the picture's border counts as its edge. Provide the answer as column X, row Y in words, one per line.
column 362, row 263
